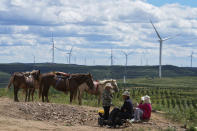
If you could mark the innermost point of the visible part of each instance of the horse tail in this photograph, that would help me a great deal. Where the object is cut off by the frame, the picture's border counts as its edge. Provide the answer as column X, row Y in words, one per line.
column 75, row 94
column 11, row 81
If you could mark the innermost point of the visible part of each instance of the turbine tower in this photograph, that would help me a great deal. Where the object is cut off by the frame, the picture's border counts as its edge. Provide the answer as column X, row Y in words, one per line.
column 53, row 50
column 191, row 57
column 126, row 56
column 34, row 59
column 112, row 57
column 125, row 69
column 161, row 40
column 69, row 55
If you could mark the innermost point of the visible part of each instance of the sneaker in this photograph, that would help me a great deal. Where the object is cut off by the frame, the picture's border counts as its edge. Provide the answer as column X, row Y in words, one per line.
column 131, row 121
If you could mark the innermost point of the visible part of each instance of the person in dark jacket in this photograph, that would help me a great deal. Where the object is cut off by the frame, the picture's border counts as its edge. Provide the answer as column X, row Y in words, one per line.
column 127, row 108
column 125, row 112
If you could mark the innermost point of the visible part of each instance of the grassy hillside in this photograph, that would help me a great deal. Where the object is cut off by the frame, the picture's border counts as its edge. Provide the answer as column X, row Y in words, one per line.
column 4, row 78
column 98, row 72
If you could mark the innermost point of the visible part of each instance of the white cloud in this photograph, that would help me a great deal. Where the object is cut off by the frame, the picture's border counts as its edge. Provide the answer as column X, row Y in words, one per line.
column 93, row 27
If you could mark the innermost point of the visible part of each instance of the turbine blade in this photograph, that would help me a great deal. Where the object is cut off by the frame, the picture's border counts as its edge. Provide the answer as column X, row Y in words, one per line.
column 71, row 50
column 155, row 29
column 167, row 38
column 60, row 49
column 124, row 52
column 130, row 53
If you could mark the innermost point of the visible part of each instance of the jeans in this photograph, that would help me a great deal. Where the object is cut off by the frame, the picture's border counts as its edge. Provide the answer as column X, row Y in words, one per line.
column 138, row 114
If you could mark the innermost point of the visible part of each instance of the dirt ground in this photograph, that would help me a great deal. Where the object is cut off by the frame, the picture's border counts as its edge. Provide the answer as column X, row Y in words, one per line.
column 26, row 116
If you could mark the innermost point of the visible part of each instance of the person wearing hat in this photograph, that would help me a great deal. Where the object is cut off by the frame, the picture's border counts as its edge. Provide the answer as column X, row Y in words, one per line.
column 107, row 100
column 143, row 111
column 127, row 107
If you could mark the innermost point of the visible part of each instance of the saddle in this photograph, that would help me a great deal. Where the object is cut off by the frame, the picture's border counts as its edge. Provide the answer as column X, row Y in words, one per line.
column 62, row 75
column 62, row 79
column 96, row 85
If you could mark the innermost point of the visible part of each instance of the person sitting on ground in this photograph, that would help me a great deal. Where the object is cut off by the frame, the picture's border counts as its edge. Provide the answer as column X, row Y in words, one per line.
column 143, row 111
column 125, row 112
column 127, row 108
column 107, row 100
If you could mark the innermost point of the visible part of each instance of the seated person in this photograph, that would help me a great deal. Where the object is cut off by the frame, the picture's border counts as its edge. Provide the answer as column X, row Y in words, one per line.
column 143, row 111
column 127, row 108
column 126, row 111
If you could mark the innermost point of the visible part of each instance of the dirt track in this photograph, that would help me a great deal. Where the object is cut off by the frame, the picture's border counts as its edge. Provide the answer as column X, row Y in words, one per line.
column 48, row 116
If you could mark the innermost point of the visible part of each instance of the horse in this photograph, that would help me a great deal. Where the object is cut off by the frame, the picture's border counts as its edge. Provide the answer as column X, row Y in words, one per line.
column 24, row 80
column 99, row 87
column 63, row 82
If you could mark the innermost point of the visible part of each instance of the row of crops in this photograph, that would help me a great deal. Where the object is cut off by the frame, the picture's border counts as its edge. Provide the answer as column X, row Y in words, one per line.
column 179, row 104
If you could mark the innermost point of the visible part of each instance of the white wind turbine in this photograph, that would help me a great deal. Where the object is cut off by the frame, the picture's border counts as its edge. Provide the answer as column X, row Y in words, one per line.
column 126, row 56
column 125, row 70
column 69, row 55
column 161, row 40
column 67, row 52
column 191, row 57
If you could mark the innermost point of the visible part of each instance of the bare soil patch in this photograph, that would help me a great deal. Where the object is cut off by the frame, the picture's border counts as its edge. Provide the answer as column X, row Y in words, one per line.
column 50, row 116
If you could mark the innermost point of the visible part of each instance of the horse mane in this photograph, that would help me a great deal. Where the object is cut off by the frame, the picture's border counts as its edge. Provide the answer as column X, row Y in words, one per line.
column 106, row 81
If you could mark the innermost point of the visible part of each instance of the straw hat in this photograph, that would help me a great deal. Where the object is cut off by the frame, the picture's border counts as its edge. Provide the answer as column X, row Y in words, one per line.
column 126, row 93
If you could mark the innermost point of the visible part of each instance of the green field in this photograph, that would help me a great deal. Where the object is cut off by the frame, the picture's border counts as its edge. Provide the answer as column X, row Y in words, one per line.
column 177, row 96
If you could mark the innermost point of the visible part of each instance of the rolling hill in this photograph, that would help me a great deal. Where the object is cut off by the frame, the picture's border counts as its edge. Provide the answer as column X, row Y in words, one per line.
column 99, row 72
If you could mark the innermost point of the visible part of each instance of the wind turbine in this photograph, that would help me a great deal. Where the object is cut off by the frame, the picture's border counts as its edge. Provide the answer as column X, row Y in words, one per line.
column 53, row 50
column 125, row 70
column 112, row 58
column 161, row 40
column 191, row 57
column 126, row 56
column 34, row 59
column 67, row 52
column 69, row 55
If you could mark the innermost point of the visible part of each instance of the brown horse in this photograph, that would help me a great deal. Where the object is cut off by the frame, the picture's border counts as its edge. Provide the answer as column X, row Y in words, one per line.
column 63, row 82
column 24, row 80
column 99, row 86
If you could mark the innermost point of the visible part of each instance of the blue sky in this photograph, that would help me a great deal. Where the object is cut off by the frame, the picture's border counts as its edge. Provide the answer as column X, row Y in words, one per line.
column 94, row 27
column 191, row 3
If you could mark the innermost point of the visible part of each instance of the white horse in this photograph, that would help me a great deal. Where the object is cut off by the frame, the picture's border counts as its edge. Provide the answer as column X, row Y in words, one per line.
column 99, row 86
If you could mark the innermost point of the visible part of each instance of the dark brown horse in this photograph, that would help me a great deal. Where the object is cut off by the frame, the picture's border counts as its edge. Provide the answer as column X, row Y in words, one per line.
column 24, row 80
column 63, row 82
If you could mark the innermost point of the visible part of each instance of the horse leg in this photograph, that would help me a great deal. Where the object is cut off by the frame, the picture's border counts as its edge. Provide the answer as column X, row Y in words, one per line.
column 32, row 94
column 80, row 97
column 15, row 93
column 71, row 97
column 47, row 92
column 43, row 93
column 29, row 93
column 26, row 94
column 99, row 99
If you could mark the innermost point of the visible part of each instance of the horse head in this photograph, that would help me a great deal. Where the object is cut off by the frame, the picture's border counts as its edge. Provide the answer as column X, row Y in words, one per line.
column 35, row 74
column 114, row 85
column 89, row 81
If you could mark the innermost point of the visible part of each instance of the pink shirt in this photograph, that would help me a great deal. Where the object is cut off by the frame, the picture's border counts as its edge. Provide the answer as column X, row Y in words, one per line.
column 146, row 107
